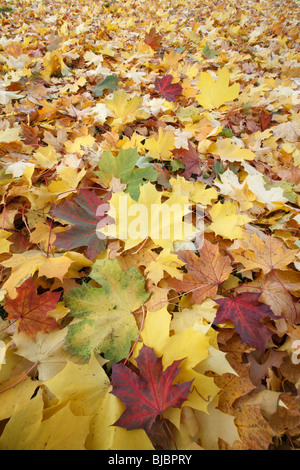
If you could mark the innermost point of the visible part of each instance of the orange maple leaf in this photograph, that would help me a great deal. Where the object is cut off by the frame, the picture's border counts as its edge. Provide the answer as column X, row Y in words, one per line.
column 31, row 310
column 205, row 274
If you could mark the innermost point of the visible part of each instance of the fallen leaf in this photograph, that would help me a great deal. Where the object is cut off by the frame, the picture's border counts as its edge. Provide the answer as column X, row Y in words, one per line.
column 31, row 310
column 216, row 93
column 204, row 273
column 166, row 88
column 246, row 311
column 106, row 323
column 82, row 213
column 148, row 394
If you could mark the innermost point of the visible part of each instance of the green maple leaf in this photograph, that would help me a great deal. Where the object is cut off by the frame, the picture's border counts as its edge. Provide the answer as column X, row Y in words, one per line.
column 209, row 53
column 123, row 167
column 107, row 325
column 288, row 189
column 109, row 83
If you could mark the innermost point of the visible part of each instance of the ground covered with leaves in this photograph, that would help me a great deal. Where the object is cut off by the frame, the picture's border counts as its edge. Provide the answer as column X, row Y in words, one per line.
column 114, row 342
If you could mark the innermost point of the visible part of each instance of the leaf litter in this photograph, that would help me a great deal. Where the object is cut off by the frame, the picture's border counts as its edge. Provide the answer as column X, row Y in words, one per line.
column 167, row 346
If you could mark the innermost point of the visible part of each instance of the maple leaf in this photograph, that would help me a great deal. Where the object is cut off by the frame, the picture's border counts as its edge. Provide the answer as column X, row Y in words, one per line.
column 123, row 167
column 109, row 83
column 81, row 212
column 4, row 243
column 246, row 311
column 45, row 351
column 28, row 430
column 215, row 93
column 125, row 109
column 165, row 261
column 261, row 251
column 149, row 394
column 153, row 39
column 189, row 343
column 228, row 150
column 209, row 53
column 160, row 146
column 226, row 220
column 30, row 135
column 107, row 324
column 10, row 134
column 31, row 310
column 166, row 88
column 26, row 264
column 264, row 119
column 190, row 158
column 204, row 274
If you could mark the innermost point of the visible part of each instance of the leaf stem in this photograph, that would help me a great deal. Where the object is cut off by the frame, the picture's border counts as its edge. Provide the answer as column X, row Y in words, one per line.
column 138, row 336
column 169, row 431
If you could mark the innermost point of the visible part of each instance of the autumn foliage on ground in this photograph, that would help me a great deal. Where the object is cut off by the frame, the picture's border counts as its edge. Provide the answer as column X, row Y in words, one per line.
column 149, row 343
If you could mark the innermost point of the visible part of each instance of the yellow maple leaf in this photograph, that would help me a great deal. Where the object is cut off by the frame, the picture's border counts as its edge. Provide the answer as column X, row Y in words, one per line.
column 69, row 179
column 15, row 392
column 45, row 156
column 45, row 351
column 196, row 192
column 202, row 195
column 125, row 109
column 53, row 63
column 4, row 243
column 104, row 435
column 44, row 235
column 215, row 93
column 229, row 151
column 226, row 220
column 166, row 261
column 26, row 264
column 26, row 429
column 11, row 134
column 83, row 385
column 261, row 251
column 161, row 146
column 79, row 142
column 87, row 389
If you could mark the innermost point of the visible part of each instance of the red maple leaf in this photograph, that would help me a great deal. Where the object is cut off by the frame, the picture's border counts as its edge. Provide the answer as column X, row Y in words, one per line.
column 246, row 312
column 153, row 39
column 31, row 310
column 264, row 119
column 149, row 394
column 81, row 212
column 190, row 158
column 167, row 89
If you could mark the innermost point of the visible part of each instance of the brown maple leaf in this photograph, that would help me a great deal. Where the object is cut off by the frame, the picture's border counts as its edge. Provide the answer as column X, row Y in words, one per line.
column 190, row 158
column 204, row 274
column 261, row 252
column 30, row 135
